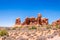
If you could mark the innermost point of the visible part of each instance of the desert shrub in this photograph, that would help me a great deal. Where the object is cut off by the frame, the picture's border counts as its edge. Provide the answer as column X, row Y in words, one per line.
column 14, row 28
column 48, row 27
column 33, row 27
column 3, row 32
column 57, row 26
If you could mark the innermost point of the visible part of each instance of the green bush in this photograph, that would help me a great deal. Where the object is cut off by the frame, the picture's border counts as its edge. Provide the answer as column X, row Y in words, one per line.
column 3, row 32
column 57, row 26
column 33, row 27
column 14, row 28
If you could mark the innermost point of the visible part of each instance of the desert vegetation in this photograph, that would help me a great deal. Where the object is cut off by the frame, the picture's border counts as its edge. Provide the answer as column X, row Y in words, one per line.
column 3, row 32
column 30, row 33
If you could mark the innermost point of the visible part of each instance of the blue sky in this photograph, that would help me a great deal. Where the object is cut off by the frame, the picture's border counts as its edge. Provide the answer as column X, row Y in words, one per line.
column 11, row 9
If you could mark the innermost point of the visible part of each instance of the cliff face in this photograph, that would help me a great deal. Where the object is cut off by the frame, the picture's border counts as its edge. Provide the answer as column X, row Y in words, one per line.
column 39, row 20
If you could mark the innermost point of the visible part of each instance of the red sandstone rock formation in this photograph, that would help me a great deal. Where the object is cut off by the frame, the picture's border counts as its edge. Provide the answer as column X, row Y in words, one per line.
column 18, row 21
column 56, row 23
column 44, row 21
column 23, row 23
column 39, row 19
column 27, row 21
column 32, row 21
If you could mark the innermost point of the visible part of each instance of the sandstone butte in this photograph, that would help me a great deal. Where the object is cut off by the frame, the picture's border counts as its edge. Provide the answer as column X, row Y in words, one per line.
column 35, row 21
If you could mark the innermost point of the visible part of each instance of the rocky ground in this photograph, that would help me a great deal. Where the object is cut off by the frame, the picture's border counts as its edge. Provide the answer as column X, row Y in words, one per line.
column 40, row 33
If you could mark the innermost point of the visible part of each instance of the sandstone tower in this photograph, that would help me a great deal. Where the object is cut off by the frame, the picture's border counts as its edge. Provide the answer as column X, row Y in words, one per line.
column 18, row 21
